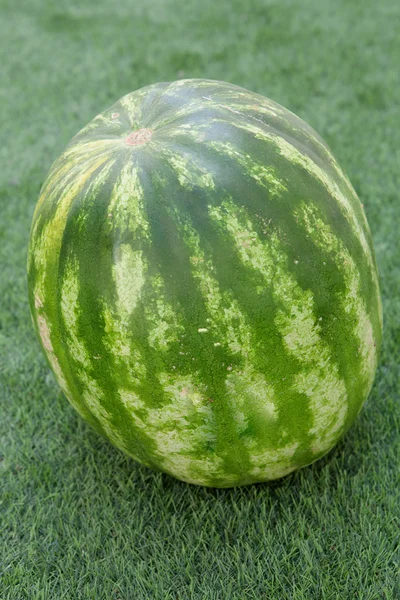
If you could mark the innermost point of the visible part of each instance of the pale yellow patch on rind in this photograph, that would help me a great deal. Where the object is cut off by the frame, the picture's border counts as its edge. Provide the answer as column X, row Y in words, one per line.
column 45, row 335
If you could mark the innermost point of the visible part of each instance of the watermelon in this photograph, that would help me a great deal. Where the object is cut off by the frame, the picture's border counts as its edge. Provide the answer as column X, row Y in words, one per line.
column 203, row 283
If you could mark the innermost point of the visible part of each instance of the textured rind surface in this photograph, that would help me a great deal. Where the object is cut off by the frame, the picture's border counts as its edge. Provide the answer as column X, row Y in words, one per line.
column 208, row 299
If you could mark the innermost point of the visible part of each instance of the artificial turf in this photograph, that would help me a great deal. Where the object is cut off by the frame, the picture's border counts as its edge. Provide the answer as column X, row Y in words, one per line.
column 80, row 520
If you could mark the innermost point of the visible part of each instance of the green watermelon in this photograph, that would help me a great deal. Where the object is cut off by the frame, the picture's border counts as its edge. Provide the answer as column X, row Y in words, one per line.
column 203, row 283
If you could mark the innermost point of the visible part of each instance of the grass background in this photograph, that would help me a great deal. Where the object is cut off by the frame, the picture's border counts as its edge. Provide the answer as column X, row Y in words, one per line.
column 80, row 520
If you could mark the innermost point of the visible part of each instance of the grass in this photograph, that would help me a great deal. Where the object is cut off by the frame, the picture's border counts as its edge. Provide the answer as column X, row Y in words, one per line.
column 80, row 520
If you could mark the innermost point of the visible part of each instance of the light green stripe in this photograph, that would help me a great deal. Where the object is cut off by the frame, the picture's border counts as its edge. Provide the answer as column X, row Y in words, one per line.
column 129, row 270
column 195, row 133
column 92, row 394
column 132, row 104
column 179, row 429
column 129, row 273
column 69, row 309
column 252, row 103
column 274, row 463
column 352, row 300
column 45, row 248
column 119, row 343
column 224, row 312
column 165, row 326
column 319, row 378
column 263, row 174
column 75, row 155
column 187, row 170
column 186, row 110
column 126, row 210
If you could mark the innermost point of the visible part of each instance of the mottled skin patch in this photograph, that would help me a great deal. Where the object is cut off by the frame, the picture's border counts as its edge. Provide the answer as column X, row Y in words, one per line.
column 202, row 280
